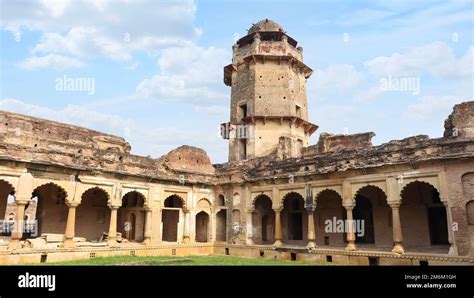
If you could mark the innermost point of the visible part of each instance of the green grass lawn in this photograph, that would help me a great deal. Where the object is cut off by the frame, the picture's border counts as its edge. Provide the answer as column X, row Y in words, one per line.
column 213, row 260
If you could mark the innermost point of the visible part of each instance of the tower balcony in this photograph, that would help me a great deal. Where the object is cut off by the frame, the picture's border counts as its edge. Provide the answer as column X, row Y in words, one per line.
column 266, row 43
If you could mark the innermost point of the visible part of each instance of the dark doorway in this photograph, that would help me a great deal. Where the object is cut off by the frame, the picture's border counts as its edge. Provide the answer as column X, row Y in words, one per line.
column 170, row 225
column 221, row 225
column 363, row 211
column 202, row 223
column 264, row 228
column 297, row 226
column 263, row 218
column 294, row 207
column 437, row 223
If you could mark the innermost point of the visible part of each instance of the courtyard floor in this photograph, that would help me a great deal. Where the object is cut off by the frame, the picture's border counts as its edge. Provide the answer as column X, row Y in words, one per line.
column 213, row 260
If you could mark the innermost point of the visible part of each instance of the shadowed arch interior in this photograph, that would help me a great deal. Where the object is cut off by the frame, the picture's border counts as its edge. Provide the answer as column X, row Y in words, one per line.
column 221, row 225
column 93, row 215
column 172, row 216
column 174, row 201
column 329, row 212
column 220, row 201
column 423, row 216
column 202, row 227
column 51, row 211
column 263, row 219
column 373, row 216
column 294, row 221
column 6, row 190
column 131, row 216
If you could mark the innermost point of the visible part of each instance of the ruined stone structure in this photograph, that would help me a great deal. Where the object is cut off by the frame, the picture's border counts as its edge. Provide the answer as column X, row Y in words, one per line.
column 277, row 197
column 268, row 101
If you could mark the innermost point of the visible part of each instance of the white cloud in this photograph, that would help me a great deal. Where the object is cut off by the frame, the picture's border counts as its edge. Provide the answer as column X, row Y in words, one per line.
column 55, row 7
column 54, row 61
column 71, row 114
column 202, row 65
column 115, row 28
column 335, row 79
column 418, row 15
column 364, row 16
column 437, row 59
column 334, row 118
column 373, row 93
column 82, row 42
column 429, row 107
column 222, row 111
column 134, row 66
column 190, row 74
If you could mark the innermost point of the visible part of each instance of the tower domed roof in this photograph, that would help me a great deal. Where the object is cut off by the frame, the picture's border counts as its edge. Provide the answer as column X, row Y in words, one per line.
column 265, row 25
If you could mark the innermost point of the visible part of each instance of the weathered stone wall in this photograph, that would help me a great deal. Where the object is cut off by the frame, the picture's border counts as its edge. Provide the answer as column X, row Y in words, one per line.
column 332, row 143
column 460, row 124
column 460, row 189
column 44, row 134
column 278, row 90
column 192, row 159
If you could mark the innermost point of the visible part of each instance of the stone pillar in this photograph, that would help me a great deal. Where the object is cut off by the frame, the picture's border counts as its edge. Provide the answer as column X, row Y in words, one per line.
column 397, row 229
column 156, row 226
column 249, row 229
column 256, row 42
column 351, row 232
column 277, row 227
column 148, row 222
column 187, row 219
column 17, row 232
column 311, row 232
column 70, row 225
column 112, row 241
column 22, row 198
column 453, row 250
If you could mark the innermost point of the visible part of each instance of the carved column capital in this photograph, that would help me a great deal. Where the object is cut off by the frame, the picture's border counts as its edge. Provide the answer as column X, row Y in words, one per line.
column 113, row 207
column 395, row 205
column 311, row 208
column 22, row 201
column 349, row 206
column 72, row 204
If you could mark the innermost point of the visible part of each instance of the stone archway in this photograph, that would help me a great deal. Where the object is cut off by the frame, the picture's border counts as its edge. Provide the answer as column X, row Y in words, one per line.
column 220, row 201
column 172, row 215
column 202, row 227
column 329, row 211
column 51, row 211
column 6, row 190
column 131, row 217
column 221, row 225
column 93, row 215
column 423, row 217
column 294, row 221
column 263, row 218
column 7, row 206
column 372, row 212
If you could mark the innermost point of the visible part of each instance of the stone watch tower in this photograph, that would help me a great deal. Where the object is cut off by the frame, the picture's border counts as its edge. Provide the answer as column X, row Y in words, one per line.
column 268, row 98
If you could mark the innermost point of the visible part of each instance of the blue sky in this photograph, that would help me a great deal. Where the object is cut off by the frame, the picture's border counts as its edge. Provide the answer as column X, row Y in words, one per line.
column 157, row 65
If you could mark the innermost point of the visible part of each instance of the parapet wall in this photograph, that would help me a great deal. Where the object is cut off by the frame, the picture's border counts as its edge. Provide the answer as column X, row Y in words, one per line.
column 39, row 133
